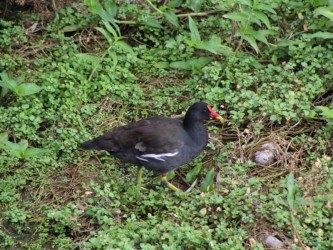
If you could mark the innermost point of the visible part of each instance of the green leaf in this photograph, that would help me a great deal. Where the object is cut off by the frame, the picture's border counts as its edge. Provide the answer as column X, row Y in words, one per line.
column 114, row 57
column 12, row 149
column 4, row 89
column 190, row 177
column 254, row 19
column 236, row 16
column 3, row 138
column 149, row 21
column 124, row 46
column 23, row 144
column 245, row 2
column 260, row 35
column 95, row 242
column 327, row 113
column 171, row 174
column 19, row 80
column 171, row 17
column 15, row 149
column 324, row 11
column 27, row 89
column 181, row 65
column 106, row 34
column 251, row 40
column 262, row 6
column 35, row 152
column 214, row 46
column 195, row 36
column 174, row 4
column 88, row 58
column 322, row 35
column 263, row 18
column 110, row 29
column 96, row 8
column 115, row 26
column 279, row 201
column 162, row 65
column 8, row 82
column 195, row 5
column 199, row 63
column 291, row 188
column 70, row 28
column 207, row 184
column 111, row 8
column 106, row 14
column 193, row 64
column 285, row 43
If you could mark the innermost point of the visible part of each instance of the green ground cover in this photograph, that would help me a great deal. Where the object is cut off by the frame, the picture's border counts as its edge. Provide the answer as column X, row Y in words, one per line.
column 265, row 66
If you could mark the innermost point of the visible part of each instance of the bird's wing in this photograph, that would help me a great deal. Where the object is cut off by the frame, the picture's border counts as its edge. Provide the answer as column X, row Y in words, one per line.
column 148, row 136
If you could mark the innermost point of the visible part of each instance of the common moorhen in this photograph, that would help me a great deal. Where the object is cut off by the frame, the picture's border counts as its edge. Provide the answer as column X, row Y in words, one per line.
column 159, row 144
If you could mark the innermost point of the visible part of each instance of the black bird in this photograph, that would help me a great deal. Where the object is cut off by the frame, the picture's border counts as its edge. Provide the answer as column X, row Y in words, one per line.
column 159, row 144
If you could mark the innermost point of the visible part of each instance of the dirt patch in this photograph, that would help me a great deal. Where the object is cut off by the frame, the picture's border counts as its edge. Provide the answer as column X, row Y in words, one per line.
column 46, row 9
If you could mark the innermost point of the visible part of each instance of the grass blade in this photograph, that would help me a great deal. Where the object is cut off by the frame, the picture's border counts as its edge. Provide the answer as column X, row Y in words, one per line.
column 195, row 36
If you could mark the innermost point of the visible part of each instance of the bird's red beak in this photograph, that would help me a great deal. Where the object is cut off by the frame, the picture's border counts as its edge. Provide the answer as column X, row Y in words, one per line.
column 214, row 115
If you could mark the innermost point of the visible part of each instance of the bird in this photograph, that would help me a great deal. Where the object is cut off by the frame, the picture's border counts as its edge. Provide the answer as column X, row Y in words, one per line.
column 159, row 144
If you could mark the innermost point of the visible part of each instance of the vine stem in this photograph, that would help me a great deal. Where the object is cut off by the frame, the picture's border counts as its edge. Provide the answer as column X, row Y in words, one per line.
column 97, row 64
column 298, row 237
column 185, row 14
column 199, row 13
column 178, row 15
column 125, row 22
column 154, row 7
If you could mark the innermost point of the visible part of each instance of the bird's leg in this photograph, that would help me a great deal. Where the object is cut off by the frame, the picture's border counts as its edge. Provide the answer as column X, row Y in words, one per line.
column 169, row 185
column 139, row 176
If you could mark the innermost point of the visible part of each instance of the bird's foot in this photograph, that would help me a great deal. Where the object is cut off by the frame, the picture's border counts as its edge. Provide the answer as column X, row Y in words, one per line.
column 168, row 184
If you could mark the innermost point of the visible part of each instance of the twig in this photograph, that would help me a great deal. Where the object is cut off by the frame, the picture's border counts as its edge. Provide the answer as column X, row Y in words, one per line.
column 38, row 49
column 97, row 64
column 154, row 7
column 184, row 14
column 241, row 151
column 199, row 13
column 304, row 247
column 125, row 22
column 79, row 244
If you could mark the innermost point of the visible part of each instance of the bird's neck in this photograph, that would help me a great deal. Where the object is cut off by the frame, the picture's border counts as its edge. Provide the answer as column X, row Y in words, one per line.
column 197, row 131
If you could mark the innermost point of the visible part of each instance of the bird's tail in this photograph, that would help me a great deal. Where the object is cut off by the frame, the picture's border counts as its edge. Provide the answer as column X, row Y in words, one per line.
column 100, row 143
column 89, row 145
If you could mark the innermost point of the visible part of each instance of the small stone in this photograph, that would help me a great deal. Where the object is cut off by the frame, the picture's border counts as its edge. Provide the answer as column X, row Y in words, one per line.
column 203, row 211
column 252, row 242
column 265, row 156
column 273, row 242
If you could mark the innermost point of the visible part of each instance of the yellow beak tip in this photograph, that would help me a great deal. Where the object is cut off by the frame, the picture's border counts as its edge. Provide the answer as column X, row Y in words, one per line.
column 220, row 118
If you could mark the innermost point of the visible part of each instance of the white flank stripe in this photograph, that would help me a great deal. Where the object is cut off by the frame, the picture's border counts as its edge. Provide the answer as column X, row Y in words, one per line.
column 141, row 158
column 158, row 157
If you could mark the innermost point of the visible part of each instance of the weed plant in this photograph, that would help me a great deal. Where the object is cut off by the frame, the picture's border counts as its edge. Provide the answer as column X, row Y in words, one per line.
column 266, row 66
